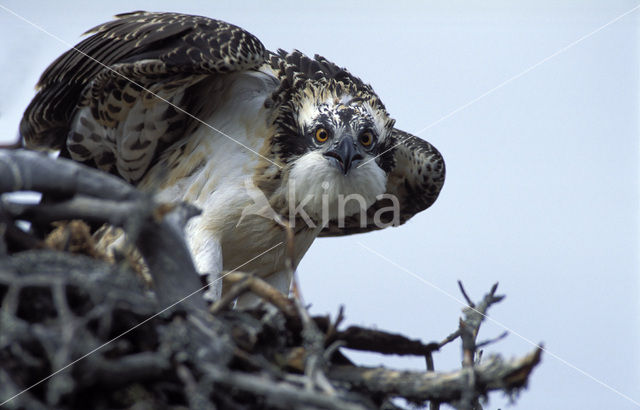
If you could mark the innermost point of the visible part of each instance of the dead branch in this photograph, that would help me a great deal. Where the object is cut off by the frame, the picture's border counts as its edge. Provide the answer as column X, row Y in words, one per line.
column 359, row 338
column 102, row 198
column 278, row 394
column 243, row 283
column 24, row 170
column 494, row 374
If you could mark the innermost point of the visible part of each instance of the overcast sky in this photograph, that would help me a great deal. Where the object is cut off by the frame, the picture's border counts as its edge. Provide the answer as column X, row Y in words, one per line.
column 542, row 172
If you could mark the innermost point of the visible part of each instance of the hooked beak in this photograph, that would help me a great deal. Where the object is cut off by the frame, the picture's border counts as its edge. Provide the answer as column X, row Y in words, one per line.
column 344, row 154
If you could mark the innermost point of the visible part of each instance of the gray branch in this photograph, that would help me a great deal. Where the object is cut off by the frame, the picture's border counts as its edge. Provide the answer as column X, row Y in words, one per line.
column 279, row 394
column 494, row 373
column 102, row 198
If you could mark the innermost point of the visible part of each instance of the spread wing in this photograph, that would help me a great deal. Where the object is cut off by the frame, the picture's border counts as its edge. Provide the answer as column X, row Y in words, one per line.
column 416, row 178
column 110, row 102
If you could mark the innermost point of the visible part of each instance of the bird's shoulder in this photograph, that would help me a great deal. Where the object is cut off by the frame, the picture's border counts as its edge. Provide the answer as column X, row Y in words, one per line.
column 135, row 86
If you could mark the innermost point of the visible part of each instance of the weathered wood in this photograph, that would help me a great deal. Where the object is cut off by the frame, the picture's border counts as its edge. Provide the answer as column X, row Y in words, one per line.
column 98, row 197
column 360, row 338
column 494, row 373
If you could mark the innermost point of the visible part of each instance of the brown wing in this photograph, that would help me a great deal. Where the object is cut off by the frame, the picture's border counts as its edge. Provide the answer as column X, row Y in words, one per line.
column 416, row 178
column 94, row 100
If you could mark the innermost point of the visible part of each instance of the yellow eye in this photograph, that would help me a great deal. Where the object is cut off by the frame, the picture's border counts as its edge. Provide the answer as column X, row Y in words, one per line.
column 322, row 135
column 366, row 138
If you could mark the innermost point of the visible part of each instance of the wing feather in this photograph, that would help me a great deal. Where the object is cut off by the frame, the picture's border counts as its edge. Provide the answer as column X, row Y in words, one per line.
column 92, row 100
column 416, row 176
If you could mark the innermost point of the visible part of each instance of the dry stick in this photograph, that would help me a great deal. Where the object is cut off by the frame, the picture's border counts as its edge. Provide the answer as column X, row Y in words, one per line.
column 429, row 360
column 433, row 405
column 161, row 244
column 99, row 197
column 117, row 372
column 258, row 286
column 453, row 336
column 238, row 289
column 278, row 394
column 491, row 341
column 468, row 329
column 493, row 374
column 194, row 396
column 33, row 171
column 474, row 316
column 359, row 338
column 27, row 400
column 469, row 397
column 333, row 325
column 466, row 297
column 244, row 283
column 313, row 342
column 313, row 339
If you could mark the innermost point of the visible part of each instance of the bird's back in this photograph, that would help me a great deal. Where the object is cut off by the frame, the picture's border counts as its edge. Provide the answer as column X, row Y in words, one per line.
column 134, row 88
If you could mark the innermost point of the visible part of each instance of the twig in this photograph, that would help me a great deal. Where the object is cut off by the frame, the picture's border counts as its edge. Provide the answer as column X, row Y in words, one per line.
column 433, row 405
column 466, row 297
column 331, row 349
column 313, row 343
column 333, row 325
column 264, row 290
column 474, row 316
column 491, row 341
column 230, row 295
column 453, row 336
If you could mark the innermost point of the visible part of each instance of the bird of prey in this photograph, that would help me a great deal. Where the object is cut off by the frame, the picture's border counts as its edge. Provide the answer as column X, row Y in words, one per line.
column 197, row 110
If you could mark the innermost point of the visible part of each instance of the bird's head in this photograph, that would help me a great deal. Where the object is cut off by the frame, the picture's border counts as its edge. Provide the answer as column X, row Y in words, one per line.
column 332, row 136
column 346, row 130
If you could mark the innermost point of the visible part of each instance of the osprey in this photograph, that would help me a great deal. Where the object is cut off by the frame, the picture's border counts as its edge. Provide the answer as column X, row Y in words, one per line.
column 196, row 110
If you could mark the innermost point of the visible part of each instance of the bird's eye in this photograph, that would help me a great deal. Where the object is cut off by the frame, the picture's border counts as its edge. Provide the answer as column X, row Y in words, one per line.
column 366, row 138
column 322, row 135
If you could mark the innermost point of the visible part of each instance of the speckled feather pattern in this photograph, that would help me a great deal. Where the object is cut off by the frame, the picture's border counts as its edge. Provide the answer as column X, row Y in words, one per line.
column 162, row 52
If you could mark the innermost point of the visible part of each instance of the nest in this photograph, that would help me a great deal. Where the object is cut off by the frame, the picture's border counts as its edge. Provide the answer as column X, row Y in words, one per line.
column 78, row 330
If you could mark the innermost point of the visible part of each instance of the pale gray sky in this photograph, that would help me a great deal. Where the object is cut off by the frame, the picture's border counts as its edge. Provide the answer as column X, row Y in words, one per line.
column 542, row 174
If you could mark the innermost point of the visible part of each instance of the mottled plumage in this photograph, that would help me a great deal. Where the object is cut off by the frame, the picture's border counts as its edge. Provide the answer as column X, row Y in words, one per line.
column 198, row 110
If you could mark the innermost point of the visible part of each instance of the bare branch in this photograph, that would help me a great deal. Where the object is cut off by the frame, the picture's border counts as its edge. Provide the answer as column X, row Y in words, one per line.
column 359, row 338
column 494, row 374
column 491, row 341
column 464, row 293
column 24, row 170
column 279, row 394
column 99, row 197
